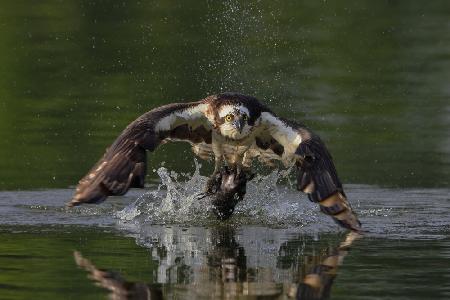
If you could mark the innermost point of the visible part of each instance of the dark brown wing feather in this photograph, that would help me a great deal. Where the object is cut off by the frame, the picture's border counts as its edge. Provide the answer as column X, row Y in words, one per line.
column 316, row 164
column 124, row 164
column 317, row 176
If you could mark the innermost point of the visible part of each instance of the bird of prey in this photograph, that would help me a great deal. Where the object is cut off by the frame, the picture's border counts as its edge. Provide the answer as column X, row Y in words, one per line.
column 234, row 130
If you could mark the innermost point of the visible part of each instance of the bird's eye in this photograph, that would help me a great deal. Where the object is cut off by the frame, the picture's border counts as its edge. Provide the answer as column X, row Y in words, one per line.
column 229, row 118
column 245, row 117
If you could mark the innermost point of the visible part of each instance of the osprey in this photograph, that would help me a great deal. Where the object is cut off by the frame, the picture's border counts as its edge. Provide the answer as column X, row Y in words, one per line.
column 234, row 130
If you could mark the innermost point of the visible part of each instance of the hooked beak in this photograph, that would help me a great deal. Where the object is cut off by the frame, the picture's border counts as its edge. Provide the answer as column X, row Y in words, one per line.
column 239, row 124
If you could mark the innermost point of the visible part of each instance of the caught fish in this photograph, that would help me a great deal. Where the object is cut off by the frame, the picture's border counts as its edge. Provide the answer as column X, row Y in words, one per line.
column 227, row 188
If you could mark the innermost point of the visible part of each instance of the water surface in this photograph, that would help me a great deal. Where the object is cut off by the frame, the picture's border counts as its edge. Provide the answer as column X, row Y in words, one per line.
column 268, row 248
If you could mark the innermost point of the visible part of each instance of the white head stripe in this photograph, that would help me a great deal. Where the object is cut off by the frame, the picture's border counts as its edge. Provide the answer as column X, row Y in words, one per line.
column 228, row 109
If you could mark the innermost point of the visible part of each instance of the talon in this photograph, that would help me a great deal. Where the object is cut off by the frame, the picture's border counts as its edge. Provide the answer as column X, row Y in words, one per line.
column 200, row 196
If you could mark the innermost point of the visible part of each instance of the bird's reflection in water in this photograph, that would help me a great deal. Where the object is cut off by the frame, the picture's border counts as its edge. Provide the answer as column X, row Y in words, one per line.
column 118, row 287
column 317, row 282
column 225, row 271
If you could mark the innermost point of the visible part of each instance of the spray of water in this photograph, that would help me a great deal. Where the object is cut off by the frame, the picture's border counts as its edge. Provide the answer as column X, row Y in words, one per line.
column 175, row 202
column 242, row 36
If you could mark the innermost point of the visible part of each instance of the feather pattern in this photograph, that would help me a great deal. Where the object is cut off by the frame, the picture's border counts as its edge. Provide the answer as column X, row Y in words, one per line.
column 264, row 136
column 124, row 164
column 316, row 173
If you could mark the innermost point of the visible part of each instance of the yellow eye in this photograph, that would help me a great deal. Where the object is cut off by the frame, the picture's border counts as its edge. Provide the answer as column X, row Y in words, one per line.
column 245, row 117
column 229, row 118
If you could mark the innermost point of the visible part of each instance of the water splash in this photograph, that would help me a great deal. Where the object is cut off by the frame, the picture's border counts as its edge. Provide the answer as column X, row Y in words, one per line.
column 175, row 201
column 385, row 213
column 272, row 203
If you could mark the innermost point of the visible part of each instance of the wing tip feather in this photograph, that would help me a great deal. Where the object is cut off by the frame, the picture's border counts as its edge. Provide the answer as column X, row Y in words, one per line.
column 89, row 193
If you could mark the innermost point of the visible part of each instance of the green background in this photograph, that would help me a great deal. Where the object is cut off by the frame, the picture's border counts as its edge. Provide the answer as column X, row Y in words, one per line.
column 372, row 77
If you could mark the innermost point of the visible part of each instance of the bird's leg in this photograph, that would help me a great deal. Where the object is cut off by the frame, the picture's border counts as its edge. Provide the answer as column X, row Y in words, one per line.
column 244, row 172
column 213, row 183
column 243, row 165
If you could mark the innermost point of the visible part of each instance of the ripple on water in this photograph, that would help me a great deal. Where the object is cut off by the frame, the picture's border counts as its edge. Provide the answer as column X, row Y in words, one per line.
column 387, row 213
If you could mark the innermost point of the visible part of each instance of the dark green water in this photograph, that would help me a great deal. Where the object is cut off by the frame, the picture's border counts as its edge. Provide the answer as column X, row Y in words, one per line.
column 42, row 265
column 371, row 77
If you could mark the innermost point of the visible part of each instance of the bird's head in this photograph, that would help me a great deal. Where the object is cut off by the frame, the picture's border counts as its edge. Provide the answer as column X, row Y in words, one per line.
column 234, row 121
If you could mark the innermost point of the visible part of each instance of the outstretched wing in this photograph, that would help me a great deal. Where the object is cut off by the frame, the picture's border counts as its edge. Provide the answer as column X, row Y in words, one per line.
column 124, row 164
column 316, row 173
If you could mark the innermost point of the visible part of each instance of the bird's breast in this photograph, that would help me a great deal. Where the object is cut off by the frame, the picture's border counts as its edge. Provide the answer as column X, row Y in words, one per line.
column 232, row 151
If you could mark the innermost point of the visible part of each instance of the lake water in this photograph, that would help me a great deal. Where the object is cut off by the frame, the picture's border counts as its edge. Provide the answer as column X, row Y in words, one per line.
column 371, row 77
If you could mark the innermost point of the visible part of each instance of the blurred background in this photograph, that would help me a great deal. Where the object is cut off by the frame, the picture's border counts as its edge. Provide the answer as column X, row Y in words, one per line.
column 371, row 77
